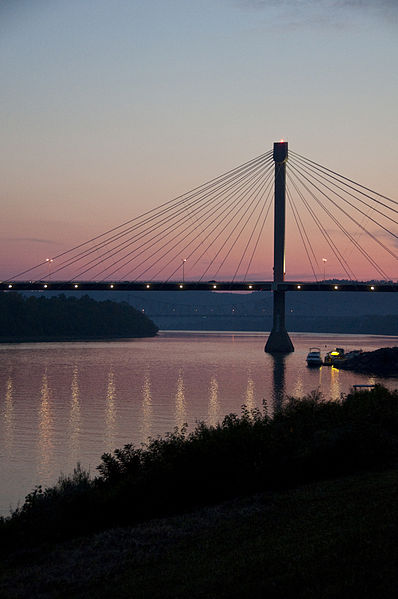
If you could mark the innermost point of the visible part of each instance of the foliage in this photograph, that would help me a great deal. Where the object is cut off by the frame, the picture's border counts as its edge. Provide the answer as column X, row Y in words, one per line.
column 308, row 439
column 70, row 317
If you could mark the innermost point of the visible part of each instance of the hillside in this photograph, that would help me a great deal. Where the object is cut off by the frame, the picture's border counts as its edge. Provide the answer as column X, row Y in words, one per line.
column 328, row 312
column 299, row 505
column 60, row 317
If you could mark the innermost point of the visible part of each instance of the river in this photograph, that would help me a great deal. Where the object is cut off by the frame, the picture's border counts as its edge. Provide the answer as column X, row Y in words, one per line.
column 61, row 403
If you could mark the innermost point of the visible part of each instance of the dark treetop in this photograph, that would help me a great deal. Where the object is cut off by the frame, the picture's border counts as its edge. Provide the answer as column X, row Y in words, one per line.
column 32, row 318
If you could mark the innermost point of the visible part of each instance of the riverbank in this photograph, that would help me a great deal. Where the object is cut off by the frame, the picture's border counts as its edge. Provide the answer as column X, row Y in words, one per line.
column 335, row 538
column 56, row 339
column 381, row 362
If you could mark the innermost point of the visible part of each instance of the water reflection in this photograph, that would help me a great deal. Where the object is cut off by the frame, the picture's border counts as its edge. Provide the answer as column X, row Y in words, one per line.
column 45, row 441
column 110, row 411
column 278, row 380
column 320, row 376
column 334, row 382
column 299, row 386
column 180, row 406
column 147, row 410
column 75, row 416
column 89, row 405
column 214, row 405
column 250, row 392
column 9, row 417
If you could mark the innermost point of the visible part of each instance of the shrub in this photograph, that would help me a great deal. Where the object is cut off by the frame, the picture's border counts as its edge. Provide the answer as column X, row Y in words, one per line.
column 308, row 439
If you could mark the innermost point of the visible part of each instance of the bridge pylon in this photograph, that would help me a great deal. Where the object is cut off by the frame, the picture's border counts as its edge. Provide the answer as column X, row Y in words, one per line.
column 279, row 340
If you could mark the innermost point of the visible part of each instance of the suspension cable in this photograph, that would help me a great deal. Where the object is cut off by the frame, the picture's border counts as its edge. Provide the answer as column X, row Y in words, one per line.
column 350, row 180
column 170, row 225
column 345, row 266
column 343, row 229
column 300, row 226
column 266, row 155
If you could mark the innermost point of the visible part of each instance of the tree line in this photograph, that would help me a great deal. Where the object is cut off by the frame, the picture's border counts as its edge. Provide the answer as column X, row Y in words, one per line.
column 69, row 317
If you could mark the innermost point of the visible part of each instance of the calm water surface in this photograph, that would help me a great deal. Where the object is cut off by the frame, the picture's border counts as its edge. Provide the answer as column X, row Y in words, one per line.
column 66, row 402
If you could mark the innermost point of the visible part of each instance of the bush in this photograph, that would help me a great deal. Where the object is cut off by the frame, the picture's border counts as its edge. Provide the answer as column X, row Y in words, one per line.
column 308, row 439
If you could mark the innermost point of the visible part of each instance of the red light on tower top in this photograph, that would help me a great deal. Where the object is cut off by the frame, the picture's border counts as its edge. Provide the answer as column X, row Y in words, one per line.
column 280, row 151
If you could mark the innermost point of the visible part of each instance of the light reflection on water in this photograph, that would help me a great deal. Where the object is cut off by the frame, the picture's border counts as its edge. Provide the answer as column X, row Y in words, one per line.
column 110, row 411
column 75, row 417
column 68, row 402
column 147, row 410
column 250, row 392
column 9, row 417
column 46, row 431
column 181, row 408
column 214, row 407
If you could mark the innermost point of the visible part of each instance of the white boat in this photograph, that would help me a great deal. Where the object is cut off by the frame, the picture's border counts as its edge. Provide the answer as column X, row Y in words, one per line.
column 314, row 357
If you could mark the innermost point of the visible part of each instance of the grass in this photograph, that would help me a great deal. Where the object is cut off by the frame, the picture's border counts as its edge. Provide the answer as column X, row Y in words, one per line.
column 335, row 538
column 306, row 507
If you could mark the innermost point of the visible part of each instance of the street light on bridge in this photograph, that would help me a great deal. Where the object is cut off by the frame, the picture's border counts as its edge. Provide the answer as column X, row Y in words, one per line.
column 183, row 269
column 49, row 261
column 324, row 260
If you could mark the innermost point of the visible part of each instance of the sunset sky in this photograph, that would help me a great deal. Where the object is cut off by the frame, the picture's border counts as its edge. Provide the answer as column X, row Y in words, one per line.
column 110, row 108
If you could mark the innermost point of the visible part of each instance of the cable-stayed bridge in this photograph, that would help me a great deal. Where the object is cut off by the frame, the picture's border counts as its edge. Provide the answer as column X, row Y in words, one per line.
column 218, row 237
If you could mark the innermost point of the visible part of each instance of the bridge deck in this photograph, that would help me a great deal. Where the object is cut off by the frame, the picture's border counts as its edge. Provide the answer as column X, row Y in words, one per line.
column 193, row 286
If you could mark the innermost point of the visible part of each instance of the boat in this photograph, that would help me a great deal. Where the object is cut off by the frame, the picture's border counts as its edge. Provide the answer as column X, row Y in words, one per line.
column 314, row 357
column 334, row 357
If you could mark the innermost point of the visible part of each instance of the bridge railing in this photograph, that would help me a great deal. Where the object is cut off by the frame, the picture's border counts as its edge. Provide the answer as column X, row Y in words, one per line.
column 214, row 286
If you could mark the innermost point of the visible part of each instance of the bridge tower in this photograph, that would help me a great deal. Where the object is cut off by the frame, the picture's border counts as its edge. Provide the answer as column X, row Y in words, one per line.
column 279, row 340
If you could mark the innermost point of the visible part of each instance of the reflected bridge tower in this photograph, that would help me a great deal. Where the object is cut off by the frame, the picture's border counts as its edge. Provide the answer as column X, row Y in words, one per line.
column 279, row 340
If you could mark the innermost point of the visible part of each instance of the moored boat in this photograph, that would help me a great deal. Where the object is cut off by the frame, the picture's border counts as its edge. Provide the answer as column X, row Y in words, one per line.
column 338, row 356
column 334, row 357
column 314, row 357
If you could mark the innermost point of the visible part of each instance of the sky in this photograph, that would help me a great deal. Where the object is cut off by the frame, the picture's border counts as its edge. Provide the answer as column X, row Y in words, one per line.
column 109, row 108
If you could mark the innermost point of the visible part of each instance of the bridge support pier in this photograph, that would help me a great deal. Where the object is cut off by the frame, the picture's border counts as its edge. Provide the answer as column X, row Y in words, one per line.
column 279, row 340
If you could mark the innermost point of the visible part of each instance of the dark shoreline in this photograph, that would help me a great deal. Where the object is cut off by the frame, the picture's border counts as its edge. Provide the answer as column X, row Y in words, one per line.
column 60, row 318
column 85, row 338
column 381, row 362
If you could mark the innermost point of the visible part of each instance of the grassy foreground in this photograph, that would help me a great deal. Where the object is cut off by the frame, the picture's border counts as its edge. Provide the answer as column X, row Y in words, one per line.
column 332, row 539
column 323, row 521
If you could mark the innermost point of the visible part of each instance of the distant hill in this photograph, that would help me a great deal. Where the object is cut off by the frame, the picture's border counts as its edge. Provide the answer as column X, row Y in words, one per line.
column 334, row 312
column 61, row 317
